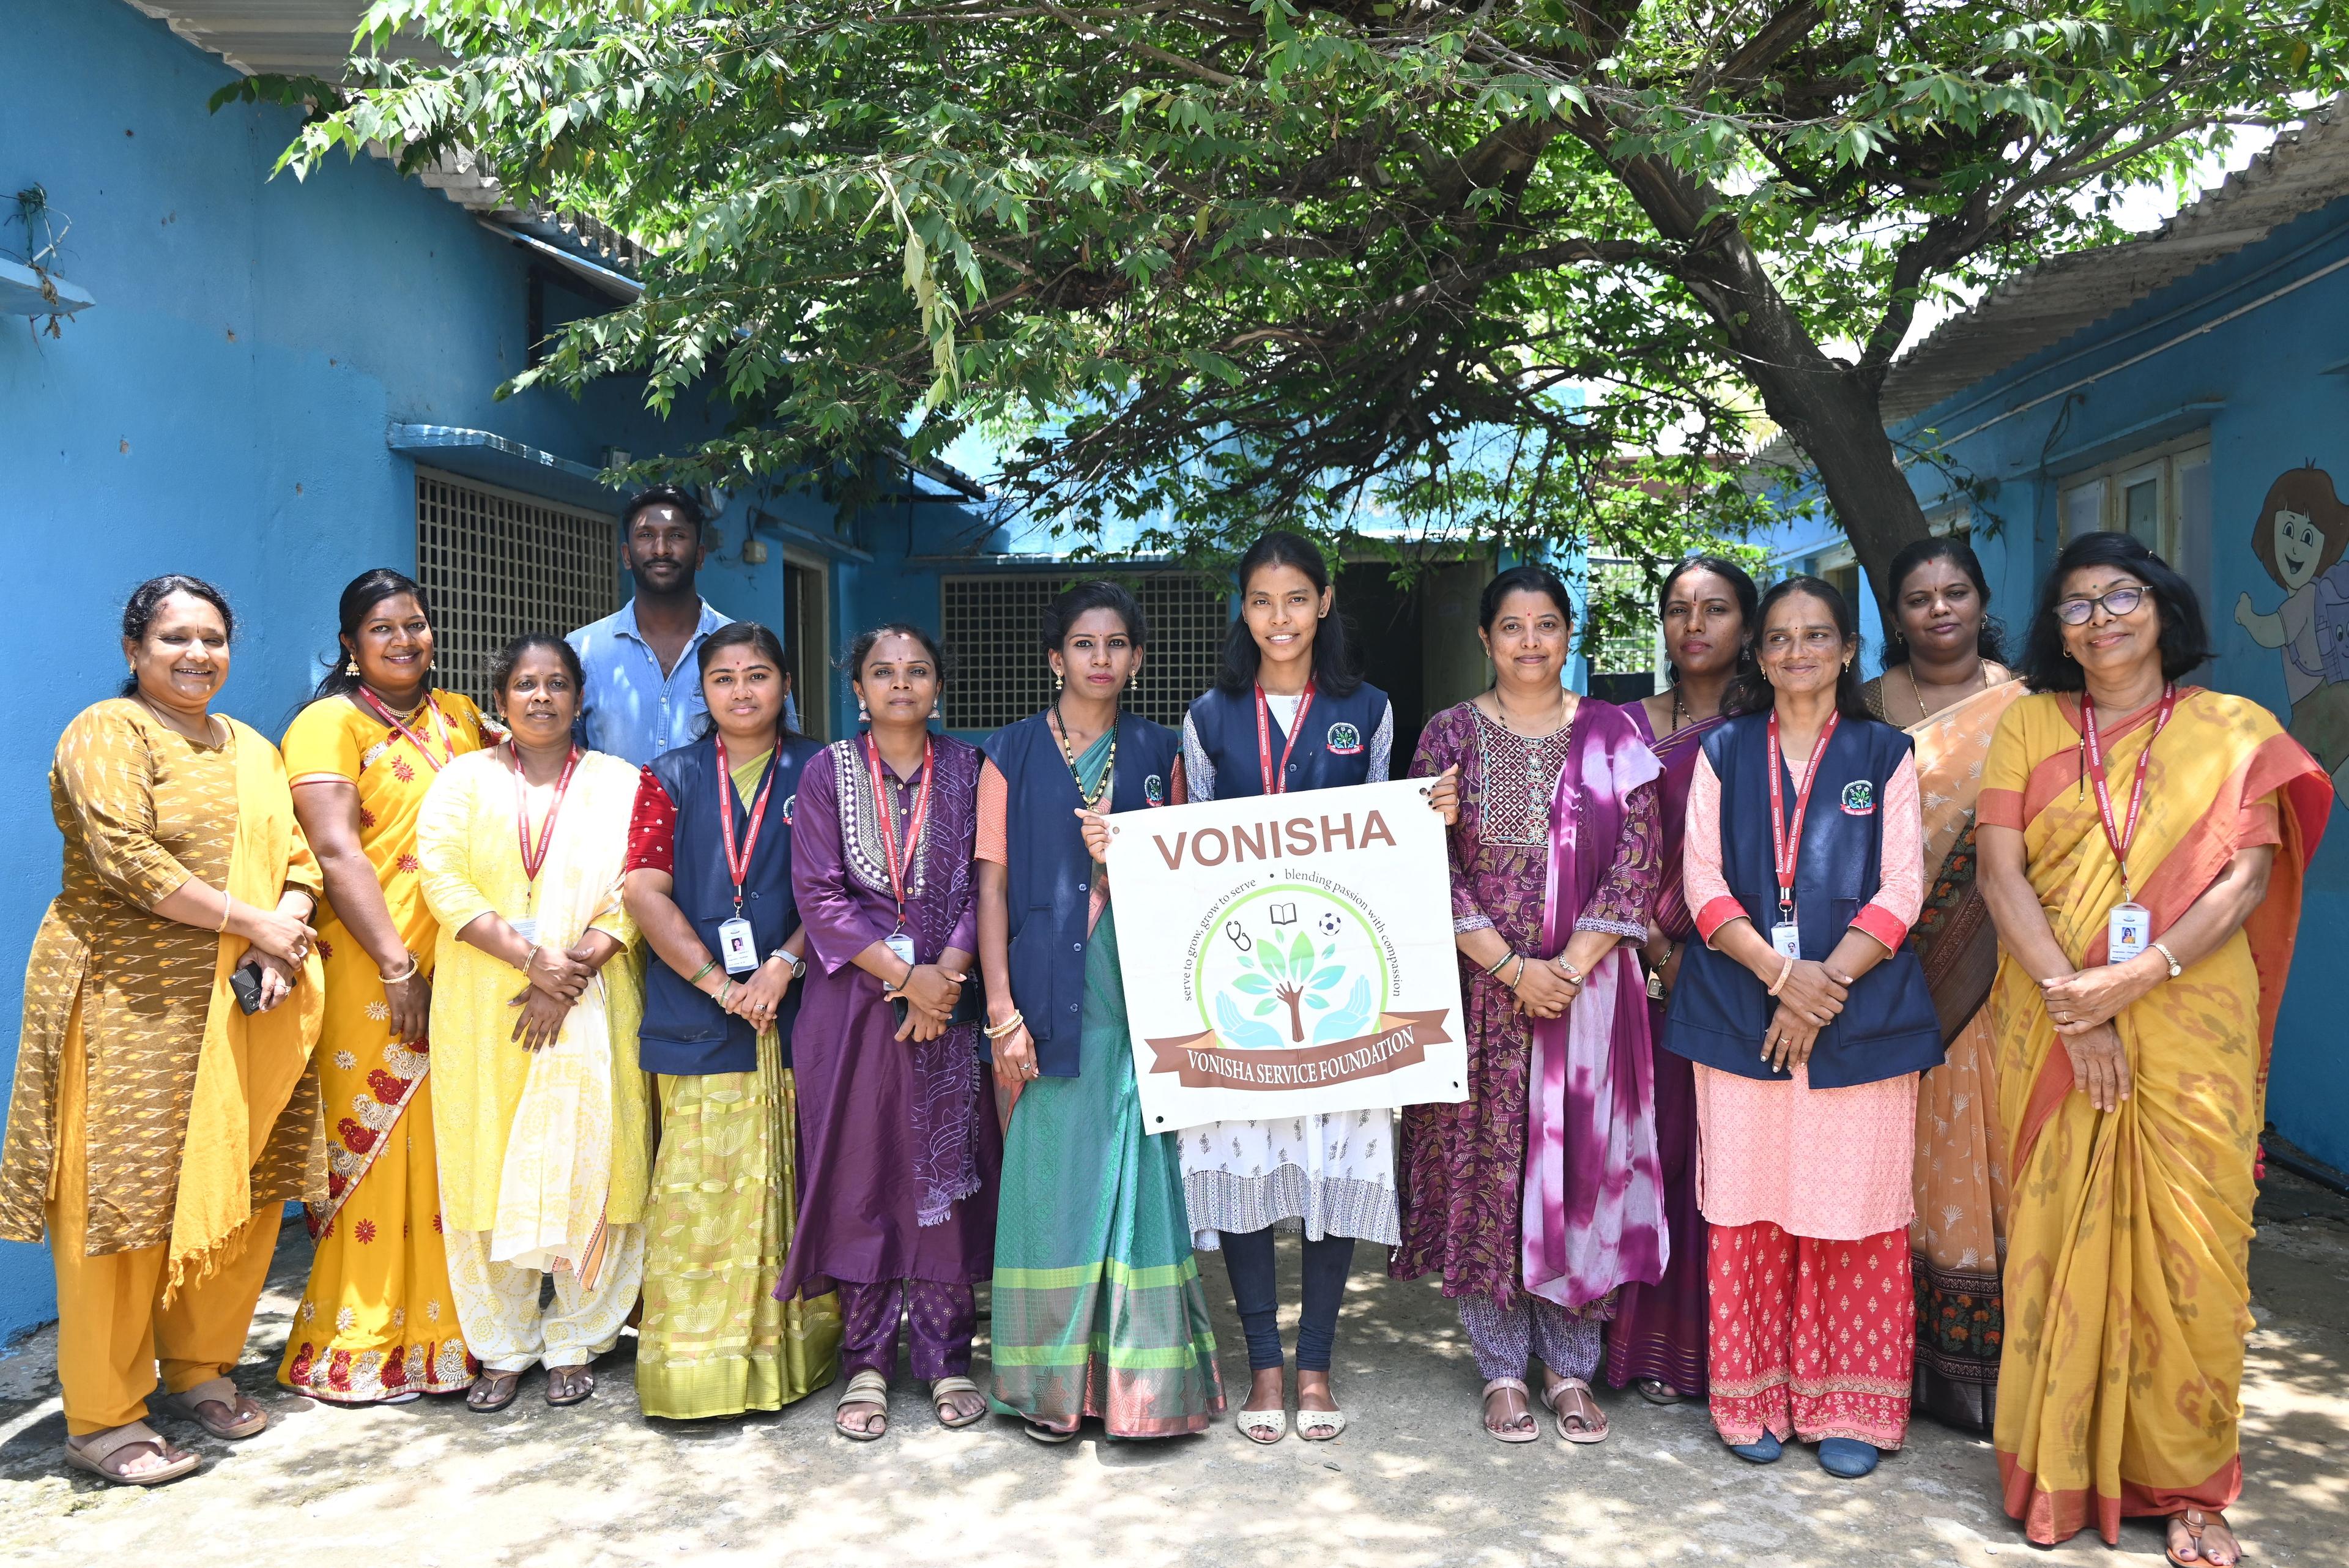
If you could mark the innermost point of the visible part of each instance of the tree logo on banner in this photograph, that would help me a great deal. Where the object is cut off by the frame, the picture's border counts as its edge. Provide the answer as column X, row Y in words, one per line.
column 1297, row 964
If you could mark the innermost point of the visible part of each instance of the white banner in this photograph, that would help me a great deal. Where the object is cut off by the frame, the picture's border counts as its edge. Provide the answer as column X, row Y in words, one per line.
column 1289, row 953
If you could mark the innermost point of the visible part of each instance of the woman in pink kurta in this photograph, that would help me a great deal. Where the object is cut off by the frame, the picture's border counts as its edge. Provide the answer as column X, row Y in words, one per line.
column 1808, row 1020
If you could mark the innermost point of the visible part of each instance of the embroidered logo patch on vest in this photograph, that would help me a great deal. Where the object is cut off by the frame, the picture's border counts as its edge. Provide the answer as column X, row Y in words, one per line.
column 1858, row 798
column 790, row 805
column 1154, row 790
column 1344, row 740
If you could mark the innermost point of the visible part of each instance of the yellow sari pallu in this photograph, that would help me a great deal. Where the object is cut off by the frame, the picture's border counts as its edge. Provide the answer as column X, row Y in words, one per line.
column 2128, row 1232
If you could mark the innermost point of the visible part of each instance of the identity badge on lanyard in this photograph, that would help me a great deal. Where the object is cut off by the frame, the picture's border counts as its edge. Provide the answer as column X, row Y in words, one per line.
column 439, row 729
column 736, row 947
column 2128, row 930
column 901, row 868
column 533, row 855
column 1276, row 776
column 1787, row 849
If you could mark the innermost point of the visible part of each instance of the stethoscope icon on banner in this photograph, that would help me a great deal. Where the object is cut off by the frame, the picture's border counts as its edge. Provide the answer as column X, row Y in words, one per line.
column 1239, row 935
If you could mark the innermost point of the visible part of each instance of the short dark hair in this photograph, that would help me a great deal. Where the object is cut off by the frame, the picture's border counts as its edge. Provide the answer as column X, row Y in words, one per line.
column 147, row 598
column 1749, row 607
column 2185, row 639
column 1990, row 642
column 1751, row 693
column 1080, row 599
column 361, row 595
column 737, row 634
column 684, row 500
column 1333, row 658
column 502, row 667
column 1530, row 578
column 852, row 663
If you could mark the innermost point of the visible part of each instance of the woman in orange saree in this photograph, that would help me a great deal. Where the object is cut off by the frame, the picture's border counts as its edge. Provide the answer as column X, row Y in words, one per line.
column 2119, row 808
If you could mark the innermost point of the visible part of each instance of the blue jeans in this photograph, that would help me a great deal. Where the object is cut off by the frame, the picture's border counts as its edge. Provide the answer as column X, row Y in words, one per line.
column 1248, row 1259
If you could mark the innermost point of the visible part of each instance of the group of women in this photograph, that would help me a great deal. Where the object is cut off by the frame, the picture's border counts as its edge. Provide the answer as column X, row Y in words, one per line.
column 1834, row 1048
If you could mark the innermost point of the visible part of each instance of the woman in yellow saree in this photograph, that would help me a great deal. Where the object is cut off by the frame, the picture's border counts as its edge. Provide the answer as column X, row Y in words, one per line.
column 2119, row 809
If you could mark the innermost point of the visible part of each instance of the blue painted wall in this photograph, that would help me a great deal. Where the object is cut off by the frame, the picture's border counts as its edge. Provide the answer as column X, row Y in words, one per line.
column 2264, row 385
column 221, row 410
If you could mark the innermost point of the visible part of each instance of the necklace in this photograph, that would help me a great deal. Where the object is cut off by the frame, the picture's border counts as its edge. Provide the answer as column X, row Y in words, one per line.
column 1069, row 755
column 1917, row 692
column 1680, row 709
column 165, row 720
column 1502, row 709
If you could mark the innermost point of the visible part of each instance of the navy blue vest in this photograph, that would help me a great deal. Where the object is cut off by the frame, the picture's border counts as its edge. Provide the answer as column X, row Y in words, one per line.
column 1050, row 875
column 1333, row 750
column 685, row 1032
column 1719, row 1011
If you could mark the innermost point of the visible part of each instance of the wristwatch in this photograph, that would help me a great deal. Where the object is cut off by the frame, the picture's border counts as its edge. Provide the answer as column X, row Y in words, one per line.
column 2176, row 969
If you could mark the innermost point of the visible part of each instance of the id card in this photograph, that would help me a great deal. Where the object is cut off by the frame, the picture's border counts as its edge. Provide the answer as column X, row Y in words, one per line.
column 526, row 928
column 737, row 949
column 2127, row 934
column 902, row 946
column 1786, row 937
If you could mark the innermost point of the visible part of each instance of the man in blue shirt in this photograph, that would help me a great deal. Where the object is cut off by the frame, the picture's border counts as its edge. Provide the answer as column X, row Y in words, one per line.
column 644, row 682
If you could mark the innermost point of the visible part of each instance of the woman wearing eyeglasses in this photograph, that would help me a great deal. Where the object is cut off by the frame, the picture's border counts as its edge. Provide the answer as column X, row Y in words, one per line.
column 2142, row 849
column 1807, row 1015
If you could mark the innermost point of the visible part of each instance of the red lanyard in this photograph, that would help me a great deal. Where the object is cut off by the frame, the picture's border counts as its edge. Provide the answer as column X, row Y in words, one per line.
column 884, row 808
column 1276, row 779
column 533, row 858
column 741, row 868
column 1786, row 852
column 439, row 728
column 2121, row 837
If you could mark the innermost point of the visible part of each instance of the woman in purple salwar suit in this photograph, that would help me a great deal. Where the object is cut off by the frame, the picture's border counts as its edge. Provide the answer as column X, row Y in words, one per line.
column 1540, row 1195
column 898, row 1145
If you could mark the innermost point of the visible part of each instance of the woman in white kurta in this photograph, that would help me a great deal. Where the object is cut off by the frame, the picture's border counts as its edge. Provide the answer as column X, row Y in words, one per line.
column 541, row 1113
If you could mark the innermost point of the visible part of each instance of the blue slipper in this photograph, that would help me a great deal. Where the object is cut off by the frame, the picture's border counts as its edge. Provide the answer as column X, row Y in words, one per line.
column 1847, row 1457
column 1762, row 1450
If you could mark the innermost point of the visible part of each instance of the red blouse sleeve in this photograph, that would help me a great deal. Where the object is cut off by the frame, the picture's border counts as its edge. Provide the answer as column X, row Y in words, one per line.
column 652, row 827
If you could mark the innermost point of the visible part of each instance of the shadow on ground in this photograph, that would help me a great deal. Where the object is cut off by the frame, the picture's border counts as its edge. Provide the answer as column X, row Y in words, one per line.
column 1413, row 1484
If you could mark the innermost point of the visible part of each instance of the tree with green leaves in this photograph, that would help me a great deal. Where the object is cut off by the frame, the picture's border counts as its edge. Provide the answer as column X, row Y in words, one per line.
column 1519, row 271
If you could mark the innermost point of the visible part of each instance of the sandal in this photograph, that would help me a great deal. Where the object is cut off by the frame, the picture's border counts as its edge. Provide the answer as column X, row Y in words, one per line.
column 1044, row 1434
column 1656, row 1391
column 492, row 1392
column 244, row 1418
column 1320, row 1426
column 1574, row 1425
column 1532, row 1432
column 942, row 1394
column 869, row 1389
column 96, row 1452
column 1263, row 1427
column 2195, row 1522
column 570, row 1384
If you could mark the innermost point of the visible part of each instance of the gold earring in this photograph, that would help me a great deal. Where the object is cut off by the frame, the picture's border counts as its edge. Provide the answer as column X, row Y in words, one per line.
column 863, row 714
column 1058, row 680
column 350, row 666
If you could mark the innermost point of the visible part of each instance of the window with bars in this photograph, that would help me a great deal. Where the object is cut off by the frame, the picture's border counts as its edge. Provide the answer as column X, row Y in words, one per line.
column 1627, row 652
column 991, row 628
column 498, row 563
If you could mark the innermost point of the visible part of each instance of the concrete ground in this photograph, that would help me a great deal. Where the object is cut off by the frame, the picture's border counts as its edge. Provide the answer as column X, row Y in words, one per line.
column 1411, row 1485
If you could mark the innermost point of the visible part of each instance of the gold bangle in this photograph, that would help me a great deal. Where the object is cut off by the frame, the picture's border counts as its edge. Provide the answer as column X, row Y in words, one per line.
column 1781, row 981
column 227, row 906
column 414, row 963
column 998, row 1031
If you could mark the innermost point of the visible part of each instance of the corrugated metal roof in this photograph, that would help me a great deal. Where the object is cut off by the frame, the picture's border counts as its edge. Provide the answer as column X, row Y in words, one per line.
column 313, row 38
column 2304, row 170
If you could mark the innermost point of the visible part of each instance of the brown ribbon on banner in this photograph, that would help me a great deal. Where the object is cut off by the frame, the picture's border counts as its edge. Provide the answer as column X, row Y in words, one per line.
column 1401, row 1040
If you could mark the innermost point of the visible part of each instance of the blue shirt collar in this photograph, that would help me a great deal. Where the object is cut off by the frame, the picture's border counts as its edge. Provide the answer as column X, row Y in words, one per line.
column 624, row 622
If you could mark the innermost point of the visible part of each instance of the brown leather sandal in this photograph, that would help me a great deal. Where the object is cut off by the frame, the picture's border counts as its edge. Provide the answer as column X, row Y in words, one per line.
column 2194, row 1522
column 492, row 1392
column 104, row 1454
column 570, row 1384
column 243, row 1418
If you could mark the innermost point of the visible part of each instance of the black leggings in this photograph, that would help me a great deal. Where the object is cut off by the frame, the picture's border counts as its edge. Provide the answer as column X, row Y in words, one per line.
column 1248, row 1259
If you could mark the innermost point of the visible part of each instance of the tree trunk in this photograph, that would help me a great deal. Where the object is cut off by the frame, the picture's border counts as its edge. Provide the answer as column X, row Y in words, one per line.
column 1296, row 1017
column 1832, row 411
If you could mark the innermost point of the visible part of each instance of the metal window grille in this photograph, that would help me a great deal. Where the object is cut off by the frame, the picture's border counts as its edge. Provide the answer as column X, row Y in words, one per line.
column 990, row 626
column 1622, row 586
column 497, row 564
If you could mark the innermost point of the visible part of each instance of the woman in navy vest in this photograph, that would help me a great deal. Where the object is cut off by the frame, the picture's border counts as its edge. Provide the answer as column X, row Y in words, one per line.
column 710, row 853
column 1808, row 1020
column 1099, row 1307
column 1287, row 714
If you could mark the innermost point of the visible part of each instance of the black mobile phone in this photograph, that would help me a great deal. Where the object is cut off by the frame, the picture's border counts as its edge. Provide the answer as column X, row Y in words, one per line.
column 247, row 983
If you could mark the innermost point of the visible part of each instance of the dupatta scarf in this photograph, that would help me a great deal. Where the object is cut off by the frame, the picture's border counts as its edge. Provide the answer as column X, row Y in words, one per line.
column 1953, row 936
column 1593, row 1200
column 2128, row 1231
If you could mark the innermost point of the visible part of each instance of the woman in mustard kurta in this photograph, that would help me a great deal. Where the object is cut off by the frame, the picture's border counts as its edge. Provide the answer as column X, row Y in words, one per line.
column 539, row 1107
column 376, row 1323
column 156, row 1127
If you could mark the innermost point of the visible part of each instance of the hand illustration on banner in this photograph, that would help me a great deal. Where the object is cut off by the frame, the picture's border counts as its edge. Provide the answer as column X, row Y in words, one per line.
column 1315, row 971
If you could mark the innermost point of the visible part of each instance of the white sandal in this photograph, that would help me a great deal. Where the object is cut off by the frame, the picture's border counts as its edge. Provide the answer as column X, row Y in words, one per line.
column 1262, row 1427
column 1554, row 1396
column 1483, row 1412
column 1320, row 1426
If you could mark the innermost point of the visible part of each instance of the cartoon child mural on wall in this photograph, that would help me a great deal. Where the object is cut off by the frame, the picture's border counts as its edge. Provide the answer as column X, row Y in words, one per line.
column 2300, row 537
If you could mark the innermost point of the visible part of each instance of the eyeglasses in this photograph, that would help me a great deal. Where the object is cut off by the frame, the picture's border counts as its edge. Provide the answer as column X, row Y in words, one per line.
column 2118, row 602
